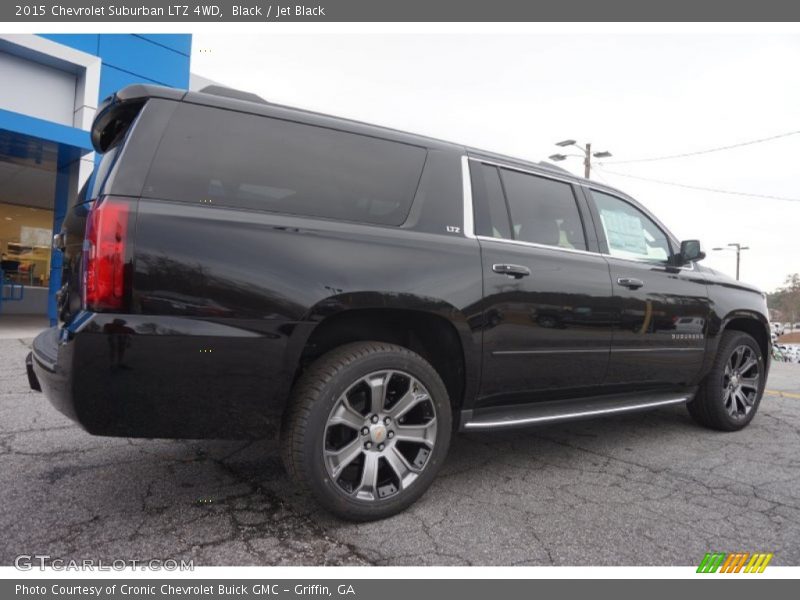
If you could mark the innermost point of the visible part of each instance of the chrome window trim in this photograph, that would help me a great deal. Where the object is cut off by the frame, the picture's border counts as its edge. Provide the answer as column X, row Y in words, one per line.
column 649, row 262
column 524, row 170
column 486, row 238
column 469, row 222
column 466, row 182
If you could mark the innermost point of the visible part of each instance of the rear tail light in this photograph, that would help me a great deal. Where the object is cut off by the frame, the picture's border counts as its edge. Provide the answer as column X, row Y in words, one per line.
column 105, row 263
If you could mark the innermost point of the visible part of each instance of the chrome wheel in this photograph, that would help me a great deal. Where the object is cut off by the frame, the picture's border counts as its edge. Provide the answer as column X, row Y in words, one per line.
column 379, row 435
column 740, row 381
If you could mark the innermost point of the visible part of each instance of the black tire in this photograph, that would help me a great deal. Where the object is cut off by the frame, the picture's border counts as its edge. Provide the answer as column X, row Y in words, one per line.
column 708, row 407
column 305, row 426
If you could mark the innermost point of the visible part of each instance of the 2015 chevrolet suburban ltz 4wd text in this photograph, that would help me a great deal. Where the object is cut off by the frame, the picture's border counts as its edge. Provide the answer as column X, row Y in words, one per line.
column 240, row 269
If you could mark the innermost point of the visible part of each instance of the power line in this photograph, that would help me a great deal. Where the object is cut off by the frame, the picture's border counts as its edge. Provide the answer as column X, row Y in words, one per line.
column 704, row 189
column 708, row 151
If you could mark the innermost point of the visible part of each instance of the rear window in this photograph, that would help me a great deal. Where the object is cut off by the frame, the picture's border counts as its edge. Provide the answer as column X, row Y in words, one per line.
column 248, row 161
column 102, row 171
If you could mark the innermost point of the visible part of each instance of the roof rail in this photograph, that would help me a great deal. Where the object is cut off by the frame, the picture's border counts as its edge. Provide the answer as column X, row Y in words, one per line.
column 221, row 90
column 553, row 167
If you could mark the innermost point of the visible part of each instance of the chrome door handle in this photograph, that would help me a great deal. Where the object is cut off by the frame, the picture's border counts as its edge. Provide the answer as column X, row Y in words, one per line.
column 515, row 271
column 630, row 282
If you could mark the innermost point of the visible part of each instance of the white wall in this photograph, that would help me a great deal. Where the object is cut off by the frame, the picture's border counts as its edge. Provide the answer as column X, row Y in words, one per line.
column 37, row 90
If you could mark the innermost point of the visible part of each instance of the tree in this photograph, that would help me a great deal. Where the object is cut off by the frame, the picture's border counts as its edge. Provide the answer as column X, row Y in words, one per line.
column 786, row 299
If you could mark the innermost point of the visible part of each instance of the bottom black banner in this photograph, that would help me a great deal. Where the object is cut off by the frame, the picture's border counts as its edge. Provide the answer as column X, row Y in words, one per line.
column 389, row 589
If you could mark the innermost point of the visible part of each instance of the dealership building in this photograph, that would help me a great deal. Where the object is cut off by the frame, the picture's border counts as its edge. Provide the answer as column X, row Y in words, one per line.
column 52, row 85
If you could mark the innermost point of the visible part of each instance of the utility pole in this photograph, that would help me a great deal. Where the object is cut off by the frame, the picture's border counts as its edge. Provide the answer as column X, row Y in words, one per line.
column 739, row 249
column 587, row 155
column 587, row 162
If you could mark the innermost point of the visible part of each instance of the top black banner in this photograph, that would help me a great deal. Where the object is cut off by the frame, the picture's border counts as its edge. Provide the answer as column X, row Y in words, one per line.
column 401, row 10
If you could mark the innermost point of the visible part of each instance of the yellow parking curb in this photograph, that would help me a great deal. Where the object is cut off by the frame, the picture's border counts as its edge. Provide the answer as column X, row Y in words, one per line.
column 783, row 394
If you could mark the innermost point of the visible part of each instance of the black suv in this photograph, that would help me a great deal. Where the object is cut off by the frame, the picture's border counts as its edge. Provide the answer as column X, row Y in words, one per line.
column 238, row 268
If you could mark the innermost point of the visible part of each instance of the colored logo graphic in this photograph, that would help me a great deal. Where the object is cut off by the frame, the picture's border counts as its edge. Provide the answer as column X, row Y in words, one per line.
column 734, row 562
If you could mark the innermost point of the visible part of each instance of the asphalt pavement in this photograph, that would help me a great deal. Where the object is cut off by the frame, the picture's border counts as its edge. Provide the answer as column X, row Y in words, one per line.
column 646, row 489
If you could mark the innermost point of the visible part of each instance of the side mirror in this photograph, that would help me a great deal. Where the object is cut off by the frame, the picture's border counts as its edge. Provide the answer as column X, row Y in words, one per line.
column 690, row 251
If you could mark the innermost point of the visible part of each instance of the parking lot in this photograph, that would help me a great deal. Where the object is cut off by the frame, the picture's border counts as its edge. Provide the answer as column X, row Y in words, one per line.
column 648, row 489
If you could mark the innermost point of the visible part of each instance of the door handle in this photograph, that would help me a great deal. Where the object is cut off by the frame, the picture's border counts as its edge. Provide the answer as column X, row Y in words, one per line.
column 515, row 271
column 630, row 282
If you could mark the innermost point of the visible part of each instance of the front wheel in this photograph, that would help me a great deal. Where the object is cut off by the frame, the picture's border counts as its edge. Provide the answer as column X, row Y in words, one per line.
column 367, row 429
column 731, row 392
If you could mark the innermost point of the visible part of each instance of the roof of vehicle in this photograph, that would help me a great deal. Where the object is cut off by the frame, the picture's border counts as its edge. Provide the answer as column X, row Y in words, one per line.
column 231, row 99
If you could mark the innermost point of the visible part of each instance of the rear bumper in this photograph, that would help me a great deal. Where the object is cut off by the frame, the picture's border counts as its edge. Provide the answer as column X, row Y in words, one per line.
column 168, row 377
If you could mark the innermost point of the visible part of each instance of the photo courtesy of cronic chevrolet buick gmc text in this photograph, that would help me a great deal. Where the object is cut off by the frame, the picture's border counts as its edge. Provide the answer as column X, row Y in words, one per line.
column 237, row 268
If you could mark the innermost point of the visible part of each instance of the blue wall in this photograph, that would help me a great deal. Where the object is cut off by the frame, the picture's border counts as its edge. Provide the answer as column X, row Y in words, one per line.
column 129, row 58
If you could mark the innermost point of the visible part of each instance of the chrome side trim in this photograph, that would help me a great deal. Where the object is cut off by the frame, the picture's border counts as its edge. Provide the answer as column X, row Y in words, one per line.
column 466, row 182
column 595, row 350
column 558, row 351
column 576, row 415
column 688, row 349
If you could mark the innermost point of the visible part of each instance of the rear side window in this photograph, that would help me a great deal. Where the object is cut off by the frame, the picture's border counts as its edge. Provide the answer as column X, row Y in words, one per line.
column 491, row 212
column 249, row 161
column 543, row 211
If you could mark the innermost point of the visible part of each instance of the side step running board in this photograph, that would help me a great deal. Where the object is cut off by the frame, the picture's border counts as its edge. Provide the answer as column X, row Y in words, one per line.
column 540, row 413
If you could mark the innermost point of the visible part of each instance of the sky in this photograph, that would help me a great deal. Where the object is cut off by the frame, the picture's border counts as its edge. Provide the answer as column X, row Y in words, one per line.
column 637, row 96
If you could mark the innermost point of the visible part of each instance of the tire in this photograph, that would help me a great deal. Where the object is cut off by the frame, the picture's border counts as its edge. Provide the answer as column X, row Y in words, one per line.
column 716, row 406
column 329, row 422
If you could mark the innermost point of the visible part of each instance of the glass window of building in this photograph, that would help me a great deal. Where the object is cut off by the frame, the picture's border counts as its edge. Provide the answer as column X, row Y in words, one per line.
column 25, row 243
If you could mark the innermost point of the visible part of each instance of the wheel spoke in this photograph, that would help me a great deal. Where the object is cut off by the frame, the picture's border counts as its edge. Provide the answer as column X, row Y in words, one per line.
column 741, row 402
column 369, row 476
column 750, row 382
column 749, row 363
column 747, row 400
column 339, row 459
column 344, row 414
column 378, row 385
column 404, row 471
column 734, row 360
column 408, row 401
column 727, row 397
column 421, row 434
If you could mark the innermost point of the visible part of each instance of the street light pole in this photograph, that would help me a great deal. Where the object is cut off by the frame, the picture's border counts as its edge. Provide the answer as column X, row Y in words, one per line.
column 739, row 249
column 587, row 155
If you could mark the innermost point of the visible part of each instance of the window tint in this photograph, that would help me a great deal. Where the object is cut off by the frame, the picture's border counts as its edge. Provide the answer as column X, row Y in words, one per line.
column 491, row 213
column 629, row 232
column 250, row 161
column 102, row 171
column 543, row 211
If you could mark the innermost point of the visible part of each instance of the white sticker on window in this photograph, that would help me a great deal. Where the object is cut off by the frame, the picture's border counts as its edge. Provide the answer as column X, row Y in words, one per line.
column 624, row 232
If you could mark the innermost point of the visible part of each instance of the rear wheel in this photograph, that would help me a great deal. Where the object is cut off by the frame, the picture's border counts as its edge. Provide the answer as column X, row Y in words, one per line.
column 731, row 392
column 367, row 429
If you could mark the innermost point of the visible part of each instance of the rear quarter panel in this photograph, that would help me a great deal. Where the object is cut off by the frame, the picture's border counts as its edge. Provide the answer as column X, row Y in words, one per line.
column 243, row 290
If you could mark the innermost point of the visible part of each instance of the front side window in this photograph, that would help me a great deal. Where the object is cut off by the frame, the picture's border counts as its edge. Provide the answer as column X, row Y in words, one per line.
column 629, row 232
column 543, row 211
